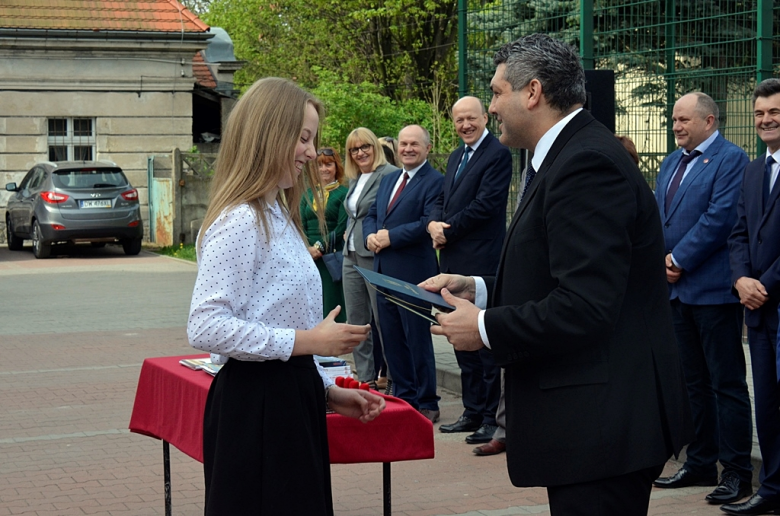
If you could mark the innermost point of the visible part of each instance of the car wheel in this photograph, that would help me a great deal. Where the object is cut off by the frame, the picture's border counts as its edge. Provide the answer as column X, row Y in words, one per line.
column 132, row 246
column 14, row 242
column 40, row 249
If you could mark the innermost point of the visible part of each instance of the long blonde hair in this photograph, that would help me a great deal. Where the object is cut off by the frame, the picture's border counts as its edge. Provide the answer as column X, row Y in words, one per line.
column 258, row 150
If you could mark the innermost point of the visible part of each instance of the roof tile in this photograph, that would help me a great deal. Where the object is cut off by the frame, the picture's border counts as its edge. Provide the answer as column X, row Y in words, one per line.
column 202, row 73
column 139, row 15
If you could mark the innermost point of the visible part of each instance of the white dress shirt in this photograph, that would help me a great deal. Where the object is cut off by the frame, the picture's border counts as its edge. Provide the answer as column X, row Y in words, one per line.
column 410, row 173
column 775, row 167
column 252, row 292
column 473, row 148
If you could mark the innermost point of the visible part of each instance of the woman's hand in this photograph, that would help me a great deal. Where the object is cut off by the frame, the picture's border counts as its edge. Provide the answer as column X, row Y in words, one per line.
column 315, row 253
column 330, row 338
column 357, row 403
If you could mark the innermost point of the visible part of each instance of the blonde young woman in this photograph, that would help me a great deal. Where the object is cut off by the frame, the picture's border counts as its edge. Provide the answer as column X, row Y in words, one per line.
column 365, row 167
column 257, row 308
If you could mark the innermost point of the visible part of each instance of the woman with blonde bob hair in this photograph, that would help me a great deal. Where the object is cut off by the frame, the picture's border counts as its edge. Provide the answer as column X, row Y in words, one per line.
column 365, row 167
column 256, row 308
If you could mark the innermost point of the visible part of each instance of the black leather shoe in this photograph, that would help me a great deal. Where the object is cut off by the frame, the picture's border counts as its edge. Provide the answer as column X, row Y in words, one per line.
column 463, row 424
column 730, row 489
column 483, row 434
column 684, row 478
column 756, row 505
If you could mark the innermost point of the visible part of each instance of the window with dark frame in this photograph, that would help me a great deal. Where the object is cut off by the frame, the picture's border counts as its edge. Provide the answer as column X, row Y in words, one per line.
column 71, row 139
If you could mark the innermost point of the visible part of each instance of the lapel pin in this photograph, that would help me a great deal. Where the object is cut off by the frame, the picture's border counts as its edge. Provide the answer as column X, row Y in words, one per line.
column 706, row 160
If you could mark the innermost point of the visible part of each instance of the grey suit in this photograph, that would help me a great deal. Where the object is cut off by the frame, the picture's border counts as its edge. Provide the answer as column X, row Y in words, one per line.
column 359, row 298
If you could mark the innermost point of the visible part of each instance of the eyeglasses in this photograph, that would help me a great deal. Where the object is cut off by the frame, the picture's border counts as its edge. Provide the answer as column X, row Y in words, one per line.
column 388, row 139
column 354, row 150
column 326, row 152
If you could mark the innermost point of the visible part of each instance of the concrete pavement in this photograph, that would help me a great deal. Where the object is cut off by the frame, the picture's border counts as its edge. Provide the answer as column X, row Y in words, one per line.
column 73, row 333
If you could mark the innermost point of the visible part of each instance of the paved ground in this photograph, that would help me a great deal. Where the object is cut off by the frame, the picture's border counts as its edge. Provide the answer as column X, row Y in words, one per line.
column 74, row 331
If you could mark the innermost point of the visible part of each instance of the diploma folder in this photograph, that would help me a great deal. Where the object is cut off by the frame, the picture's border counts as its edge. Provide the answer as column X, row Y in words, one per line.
column 382, row 281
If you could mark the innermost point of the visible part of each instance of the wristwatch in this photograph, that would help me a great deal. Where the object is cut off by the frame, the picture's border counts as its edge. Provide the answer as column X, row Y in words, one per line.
column 327, row 395
column 318, row 245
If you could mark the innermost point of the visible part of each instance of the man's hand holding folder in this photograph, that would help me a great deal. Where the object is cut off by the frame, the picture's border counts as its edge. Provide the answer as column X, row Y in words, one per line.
column 460, row 326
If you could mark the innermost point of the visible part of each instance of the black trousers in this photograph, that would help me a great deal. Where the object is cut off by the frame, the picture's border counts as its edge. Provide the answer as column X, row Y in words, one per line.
column 265, row 441
column 624, row 495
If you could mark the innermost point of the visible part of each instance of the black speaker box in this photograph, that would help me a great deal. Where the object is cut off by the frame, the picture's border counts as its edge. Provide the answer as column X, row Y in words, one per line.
column 600, row 90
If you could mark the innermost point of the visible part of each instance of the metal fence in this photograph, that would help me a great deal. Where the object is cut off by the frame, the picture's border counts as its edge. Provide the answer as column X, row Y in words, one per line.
column 659, row 50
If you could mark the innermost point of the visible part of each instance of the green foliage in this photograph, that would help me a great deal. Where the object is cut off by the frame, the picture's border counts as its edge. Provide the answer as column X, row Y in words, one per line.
column 362, row 105
column 184, row 252
column 378, row 65
column 197, row 6
column 406, row 47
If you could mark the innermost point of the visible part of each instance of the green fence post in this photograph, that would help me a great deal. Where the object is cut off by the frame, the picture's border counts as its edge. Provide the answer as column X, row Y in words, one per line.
column 586, row 34
column 763, row 52
column 462, row 44
column 670, row 75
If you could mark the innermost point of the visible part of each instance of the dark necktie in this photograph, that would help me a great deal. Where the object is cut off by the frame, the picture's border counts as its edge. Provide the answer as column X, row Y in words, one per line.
column 463, row 162
column 528, row 178
column 398, row 192
column 767, row 179
column 674, row 184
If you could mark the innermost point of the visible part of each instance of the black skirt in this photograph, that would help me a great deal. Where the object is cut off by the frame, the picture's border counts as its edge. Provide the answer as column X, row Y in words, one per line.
column 265, row 442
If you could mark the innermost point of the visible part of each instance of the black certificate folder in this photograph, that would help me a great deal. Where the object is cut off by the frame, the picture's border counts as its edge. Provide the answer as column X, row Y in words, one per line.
column 402, row 287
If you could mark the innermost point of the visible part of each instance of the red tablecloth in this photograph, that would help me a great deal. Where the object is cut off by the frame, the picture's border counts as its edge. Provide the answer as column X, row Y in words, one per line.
column 171, row 398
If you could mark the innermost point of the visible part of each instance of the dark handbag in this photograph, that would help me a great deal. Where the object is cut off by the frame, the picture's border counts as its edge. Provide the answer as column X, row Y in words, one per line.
column 334, row 260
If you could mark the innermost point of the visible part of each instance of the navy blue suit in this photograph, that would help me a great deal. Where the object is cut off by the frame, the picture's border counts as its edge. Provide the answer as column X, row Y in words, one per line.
column 707, row 319
column 474, row 206
column 410, row 257
column 755, row 253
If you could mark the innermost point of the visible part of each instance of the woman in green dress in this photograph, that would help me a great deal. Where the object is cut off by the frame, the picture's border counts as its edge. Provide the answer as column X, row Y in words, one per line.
column 333, row 194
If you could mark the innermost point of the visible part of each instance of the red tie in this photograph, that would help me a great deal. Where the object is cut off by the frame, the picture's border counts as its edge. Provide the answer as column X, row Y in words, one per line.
column 398, row 192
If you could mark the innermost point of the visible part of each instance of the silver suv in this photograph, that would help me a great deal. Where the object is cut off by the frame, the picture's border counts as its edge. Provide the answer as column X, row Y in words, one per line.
column 71, row 202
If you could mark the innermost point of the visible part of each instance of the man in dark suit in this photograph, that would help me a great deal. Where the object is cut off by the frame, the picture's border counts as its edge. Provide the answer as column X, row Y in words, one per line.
column 754, row 253
column 467, row 226
column 697, row 192
column 579, row 311
column 395, row 232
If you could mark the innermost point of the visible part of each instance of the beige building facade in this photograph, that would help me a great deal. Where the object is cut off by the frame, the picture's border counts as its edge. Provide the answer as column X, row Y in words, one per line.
column 117, row 95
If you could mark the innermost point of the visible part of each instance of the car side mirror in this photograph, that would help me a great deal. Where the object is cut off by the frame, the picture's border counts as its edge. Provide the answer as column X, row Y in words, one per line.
column 11, row 187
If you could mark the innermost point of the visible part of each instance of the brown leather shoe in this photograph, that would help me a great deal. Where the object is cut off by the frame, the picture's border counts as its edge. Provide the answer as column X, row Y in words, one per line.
column 492, row 448
column 432, row 415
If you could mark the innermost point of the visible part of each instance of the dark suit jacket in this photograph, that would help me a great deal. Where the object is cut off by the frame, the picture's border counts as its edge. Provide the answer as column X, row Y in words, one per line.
column 755, row 243
column 699, row 221
column 580, row 319
column 410, row 256
column 475, row 208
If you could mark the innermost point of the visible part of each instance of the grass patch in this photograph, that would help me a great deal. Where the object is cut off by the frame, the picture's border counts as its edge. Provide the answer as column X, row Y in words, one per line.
column 185, row 252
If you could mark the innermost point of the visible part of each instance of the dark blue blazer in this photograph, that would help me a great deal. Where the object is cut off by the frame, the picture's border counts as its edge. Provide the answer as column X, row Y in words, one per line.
column 475, row 208
column 699, row 221
column 755, row 243
column 411, row 256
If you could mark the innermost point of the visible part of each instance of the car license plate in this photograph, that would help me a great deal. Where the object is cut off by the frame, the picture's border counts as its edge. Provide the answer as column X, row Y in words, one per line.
column 102, row 203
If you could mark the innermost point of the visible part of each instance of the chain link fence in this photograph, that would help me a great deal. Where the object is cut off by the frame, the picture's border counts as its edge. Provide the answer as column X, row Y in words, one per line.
column 658, row 52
